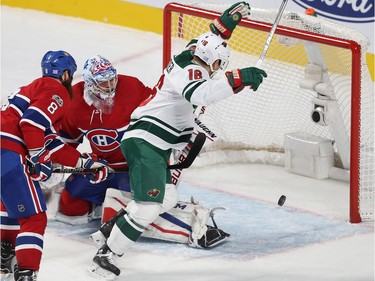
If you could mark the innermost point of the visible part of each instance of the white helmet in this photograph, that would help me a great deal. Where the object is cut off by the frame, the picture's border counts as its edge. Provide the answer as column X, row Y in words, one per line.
column 100, row 82
column 211, row 47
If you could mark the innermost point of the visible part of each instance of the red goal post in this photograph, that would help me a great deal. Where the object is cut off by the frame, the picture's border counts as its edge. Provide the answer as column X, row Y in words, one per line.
column 283, row 103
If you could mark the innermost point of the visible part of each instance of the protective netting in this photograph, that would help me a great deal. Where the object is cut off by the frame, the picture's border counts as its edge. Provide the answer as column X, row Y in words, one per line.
column 258, row 121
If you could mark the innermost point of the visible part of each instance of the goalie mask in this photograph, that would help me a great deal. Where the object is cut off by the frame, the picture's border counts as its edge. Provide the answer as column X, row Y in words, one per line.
column 210, row 48
column 100, row 83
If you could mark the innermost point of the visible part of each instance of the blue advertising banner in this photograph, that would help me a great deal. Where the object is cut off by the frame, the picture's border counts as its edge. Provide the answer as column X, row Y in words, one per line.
column 356, row 11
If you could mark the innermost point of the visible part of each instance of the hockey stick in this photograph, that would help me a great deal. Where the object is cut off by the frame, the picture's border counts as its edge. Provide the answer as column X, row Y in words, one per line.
column 196, row 147
column 186, row 163
column 272, row 33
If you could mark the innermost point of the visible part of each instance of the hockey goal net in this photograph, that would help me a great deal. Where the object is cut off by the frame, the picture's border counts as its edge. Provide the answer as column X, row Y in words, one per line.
column 315, row 68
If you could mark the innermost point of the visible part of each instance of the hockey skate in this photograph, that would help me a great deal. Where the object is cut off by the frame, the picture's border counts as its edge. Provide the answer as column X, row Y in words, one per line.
column 24, row 274
column 8, row 261
column 104, row 265
column 212, row 237
column 100, row 237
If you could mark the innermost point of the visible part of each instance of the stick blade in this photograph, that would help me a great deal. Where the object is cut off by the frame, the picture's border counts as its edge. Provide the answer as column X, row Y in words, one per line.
column 198, row 143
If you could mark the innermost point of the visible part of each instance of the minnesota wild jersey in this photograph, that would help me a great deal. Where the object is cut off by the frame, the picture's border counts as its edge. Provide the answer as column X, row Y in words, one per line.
column 166, row 119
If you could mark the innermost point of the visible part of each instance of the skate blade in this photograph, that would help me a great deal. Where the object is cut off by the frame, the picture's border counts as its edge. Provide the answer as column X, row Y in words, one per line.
column 99, row 273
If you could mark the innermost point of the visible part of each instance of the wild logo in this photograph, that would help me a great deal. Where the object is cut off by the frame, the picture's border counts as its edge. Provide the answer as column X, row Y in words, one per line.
column 154, row 193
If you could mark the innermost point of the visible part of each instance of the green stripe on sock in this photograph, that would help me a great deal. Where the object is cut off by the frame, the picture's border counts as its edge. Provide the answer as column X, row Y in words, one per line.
column 127, row 229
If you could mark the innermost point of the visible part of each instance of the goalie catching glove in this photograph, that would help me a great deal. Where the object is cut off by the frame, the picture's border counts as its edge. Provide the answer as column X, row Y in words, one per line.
column 249, row 76
column 227, row 22
column 92, row 161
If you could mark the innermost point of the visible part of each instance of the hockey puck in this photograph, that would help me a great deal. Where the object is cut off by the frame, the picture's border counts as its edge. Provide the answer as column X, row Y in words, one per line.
column 281, row 200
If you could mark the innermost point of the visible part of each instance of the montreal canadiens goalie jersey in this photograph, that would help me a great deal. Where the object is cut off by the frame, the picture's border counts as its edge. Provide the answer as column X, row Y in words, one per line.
column 104, row 131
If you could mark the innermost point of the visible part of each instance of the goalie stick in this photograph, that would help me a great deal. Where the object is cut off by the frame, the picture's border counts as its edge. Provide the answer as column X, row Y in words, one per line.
column 196, row 147
column 272, row 33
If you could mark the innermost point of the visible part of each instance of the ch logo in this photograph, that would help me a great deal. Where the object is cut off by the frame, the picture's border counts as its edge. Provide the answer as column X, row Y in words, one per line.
column 105, row 140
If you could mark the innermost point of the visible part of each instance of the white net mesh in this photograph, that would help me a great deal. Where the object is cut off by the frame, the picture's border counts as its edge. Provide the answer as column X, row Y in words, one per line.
column 258, row 121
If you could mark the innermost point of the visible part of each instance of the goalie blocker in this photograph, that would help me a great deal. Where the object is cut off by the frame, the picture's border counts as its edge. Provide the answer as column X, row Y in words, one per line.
column 186, row 223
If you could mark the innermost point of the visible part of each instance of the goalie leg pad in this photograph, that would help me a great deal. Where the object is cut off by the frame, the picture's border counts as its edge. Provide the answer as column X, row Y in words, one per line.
column 94, row 213
column 170, row 198
column 185, row 223
column 72, row 220
column 174, row 225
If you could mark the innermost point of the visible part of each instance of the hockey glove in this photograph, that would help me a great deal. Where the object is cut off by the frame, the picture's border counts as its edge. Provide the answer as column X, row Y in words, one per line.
column 92, row 161
column 249, row 76
column 40, row 166
column 227, row 22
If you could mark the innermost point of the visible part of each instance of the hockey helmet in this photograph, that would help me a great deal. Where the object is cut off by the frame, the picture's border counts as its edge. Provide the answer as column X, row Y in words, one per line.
column 54, row 63
column 100, row 82
column 211, row 47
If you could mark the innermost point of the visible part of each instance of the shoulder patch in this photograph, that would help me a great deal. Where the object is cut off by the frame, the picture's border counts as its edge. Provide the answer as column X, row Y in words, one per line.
column 170, row 66
column 59, row 100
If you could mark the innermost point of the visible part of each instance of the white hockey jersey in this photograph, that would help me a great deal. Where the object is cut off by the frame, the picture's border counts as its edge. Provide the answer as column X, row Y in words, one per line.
column 166, row 120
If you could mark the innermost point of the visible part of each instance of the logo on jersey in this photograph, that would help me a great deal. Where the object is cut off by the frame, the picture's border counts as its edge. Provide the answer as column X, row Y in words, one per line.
column 358, row 11
column 57, row 99
column 170, row 67
column 21, row 208
column 104, row 140
column 153, row 193
column 180, row 206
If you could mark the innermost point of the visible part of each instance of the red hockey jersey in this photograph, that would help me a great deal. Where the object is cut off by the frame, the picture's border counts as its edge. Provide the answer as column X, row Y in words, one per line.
column 104, row 131
column 30, row 112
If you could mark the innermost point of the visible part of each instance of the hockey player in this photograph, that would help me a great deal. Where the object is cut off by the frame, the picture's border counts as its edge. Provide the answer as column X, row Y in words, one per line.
column 105, row 101
column 30, row 121
column 164, row 122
